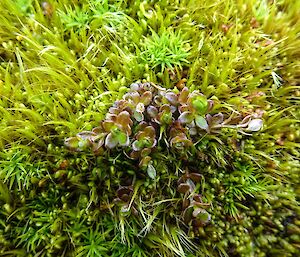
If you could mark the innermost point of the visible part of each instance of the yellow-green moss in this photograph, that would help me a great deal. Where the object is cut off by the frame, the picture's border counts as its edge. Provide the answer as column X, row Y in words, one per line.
column 62, row 65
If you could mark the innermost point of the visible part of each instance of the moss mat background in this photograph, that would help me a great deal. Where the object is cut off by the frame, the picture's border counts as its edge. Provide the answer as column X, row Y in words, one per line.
column 63, row 64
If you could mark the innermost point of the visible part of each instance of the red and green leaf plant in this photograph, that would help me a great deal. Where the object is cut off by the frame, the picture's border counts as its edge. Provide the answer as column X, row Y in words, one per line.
column 124, row 196
column 150, row 119
column 194, row 210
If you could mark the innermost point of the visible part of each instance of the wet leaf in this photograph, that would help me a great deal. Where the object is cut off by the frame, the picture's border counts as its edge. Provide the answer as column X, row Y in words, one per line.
column 180, row 142
column 125, row 209
column 135, row 87
column 173, row 108
column 196, row 177
column 124, row 118
column 111, row 141
column 111, row 117
column 136, row 145
column 124, row 190
column 191, row 184
column 184, row 94
column 98, row 145
column 72, row 142
column 108, row 125
column 197, row 198
column 140, row 107
column 86, row 135
column 209, row 119
column 138, row 116
column 201, row 122
column 146, row 98
column 166, row 117
column 255, row 125
column 246, row 120
column 210, row 105
column 165, row 108
column 97, row 130
column 150, row 131
column 201, row 215
column 76, row 143
column 134, row 97
column 151, row 171
column 193, row 131
column 144, row 162
column 184, row 108
column 218, row 118
column 188, row 215
column 134, row 155
column 145, row 152
column 172, row 98
column 152, row 111
column 185, row 117
column 113, row 110
column 157, row 100
column 125, row 198
column 183, row 188
column 185, row 203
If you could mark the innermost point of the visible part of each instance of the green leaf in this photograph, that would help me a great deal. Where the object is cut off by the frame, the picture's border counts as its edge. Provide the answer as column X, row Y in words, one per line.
column 202, row 215
column 188, row 214
column 145, row 162
column 151, row 171
column 138, row 116
column 166, row 118
column 260, row 9
column 122, row 138
column 76, row 143
column 201, row 122
column 4, row 193
column 108, row 125
column 200, row 104
column 137, row 145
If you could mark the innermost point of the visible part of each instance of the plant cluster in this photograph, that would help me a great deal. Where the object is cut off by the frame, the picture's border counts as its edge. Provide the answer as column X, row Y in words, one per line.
column 194, row 209
column 150, row 119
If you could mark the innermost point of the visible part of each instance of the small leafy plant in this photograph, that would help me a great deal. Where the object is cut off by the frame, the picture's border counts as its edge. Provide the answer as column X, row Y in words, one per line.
column 150, row 119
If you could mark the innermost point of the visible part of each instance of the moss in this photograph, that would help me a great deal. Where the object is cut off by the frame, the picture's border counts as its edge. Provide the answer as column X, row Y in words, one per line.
column 64, row 63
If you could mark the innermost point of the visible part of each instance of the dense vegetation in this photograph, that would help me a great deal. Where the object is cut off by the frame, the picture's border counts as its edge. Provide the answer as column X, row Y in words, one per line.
column 154, row 128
